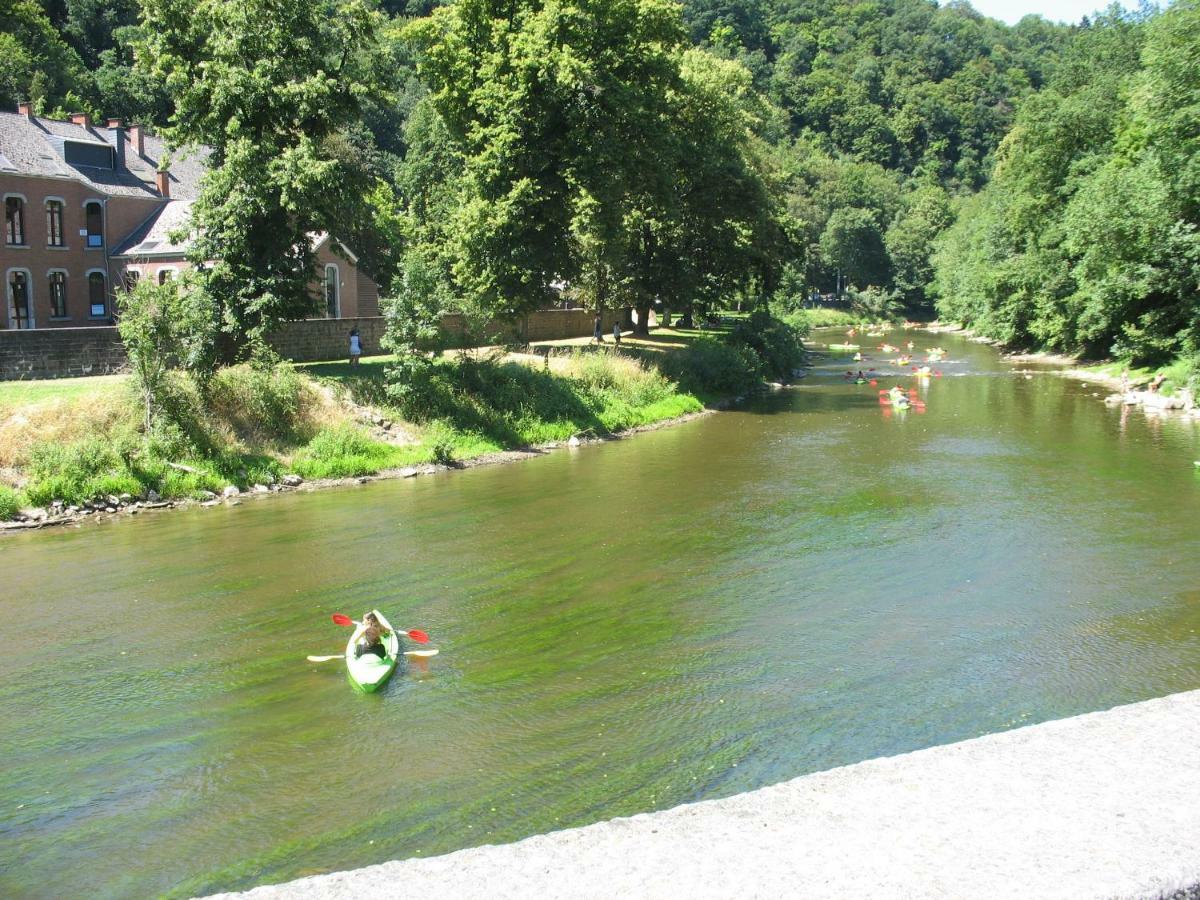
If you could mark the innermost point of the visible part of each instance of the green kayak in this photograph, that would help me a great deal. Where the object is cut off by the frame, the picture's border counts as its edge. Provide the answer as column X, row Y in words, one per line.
column 368, row 672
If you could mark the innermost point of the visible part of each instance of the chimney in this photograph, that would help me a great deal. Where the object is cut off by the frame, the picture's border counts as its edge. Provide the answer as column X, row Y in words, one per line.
column 118, row 131
column 137, row 138
column 162, row 181
column 25, row 108
column 81, row 119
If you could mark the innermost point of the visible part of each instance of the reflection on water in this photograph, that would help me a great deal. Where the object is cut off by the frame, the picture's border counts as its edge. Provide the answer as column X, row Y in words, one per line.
column 809, row 581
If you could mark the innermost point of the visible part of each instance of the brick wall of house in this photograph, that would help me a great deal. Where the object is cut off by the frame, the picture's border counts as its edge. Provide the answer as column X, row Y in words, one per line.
column 75, row 259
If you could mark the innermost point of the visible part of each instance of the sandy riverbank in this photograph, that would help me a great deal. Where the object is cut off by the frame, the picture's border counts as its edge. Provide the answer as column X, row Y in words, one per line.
column 1096, row 806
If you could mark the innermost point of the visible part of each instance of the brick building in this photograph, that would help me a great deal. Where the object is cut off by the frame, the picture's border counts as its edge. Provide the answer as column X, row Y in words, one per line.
column 89, row 209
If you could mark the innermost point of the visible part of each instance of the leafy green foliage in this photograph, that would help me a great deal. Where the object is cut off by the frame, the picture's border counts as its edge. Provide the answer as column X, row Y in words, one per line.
column 267, row 85
column 873, row 304
column 712, row 368
column 161, row 327
column 1086, row 239
column 10, row 503
column 775, row 344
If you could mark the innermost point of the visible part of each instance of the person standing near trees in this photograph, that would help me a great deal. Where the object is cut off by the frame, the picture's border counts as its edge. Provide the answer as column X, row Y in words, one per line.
column 617, row 333
column 598, row 329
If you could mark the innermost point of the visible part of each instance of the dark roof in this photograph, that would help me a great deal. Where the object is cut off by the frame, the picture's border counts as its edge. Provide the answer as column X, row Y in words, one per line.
column 153, row 237
column 32, row 145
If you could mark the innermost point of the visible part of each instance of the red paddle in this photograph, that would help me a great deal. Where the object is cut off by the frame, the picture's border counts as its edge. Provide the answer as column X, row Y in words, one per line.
column 419, row 636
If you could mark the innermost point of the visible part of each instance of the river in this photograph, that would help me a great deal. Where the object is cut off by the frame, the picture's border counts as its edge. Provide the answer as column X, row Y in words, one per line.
column 804, row 582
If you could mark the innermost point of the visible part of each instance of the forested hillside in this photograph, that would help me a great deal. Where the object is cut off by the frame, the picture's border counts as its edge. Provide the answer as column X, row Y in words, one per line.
column 847, row 137
column 1085, row 238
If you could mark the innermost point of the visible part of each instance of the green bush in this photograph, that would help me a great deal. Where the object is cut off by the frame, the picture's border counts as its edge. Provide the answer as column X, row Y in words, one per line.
column 711, row 367
column 259, row 403
column 10, row 503
column 774, row 343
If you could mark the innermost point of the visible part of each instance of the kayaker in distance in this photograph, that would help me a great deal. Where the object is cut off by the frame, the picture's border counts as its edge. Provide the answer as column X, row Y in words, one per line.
column 371, row 640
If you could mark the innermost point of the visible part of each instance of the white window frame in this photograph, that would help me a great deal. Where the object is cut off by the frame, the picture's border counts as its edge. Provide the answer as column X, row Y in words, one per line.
column 46, row 201
column 87, row 280
column 337, row 291
column 8, row 304
column 158, row 273
column 86, row 235
column 24, row 221
column 66, row 292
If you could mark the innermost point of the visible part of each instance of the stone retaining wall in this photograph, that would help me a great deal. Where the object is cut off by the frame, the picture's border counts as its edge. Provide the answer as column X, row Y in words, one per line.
column 543, row 325
column 60, row 353
column 316, row 340
column 73, row 352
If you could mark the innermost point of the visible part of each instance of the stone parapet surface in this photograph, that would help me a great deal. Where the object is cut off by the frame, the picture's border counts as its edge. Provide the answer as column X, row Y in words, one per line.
column 1102, row 805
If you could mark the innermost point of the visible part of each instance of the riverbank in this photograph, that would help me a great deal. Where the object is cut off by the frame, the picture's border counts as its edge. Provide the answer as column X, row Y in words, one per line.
column 1088, row 807
column 1116, row 375
column 70, row 451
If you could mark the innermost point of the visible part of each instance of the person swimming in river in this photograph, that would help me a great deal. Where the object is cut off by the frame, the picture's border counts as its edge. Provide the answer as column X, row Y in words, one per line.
column 371, row 640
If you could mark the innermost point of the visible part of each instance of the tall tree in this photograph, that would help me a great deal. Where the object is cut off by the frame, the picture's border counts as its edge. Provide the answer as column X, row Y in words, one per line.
column 267, row 85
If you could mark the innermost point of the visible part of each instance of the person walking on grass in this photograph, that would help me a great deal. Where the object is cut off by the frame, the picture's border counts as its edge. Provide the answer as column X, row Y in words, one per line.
column 355, row 347
column 598, row 329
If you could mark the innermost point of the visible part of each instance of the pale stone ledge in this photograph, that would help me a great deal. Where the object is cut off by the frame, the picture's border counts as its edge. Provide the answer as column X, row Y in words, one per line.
column 1103, row 805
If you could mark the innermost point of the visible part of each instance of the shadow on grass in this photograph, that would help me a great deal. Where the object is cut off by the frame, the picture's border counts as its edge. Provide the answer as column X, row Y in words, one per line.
column 507, row 402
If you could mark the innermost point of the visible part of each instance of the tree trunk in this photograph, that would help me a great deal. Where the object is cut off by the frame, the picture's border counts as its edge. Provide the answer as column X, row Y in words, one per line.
column 642, row 325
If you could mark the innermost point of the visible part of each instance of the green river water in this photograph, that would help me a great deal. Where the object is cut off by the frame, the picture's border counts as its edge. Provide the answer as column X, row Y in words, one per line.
column 801, row 583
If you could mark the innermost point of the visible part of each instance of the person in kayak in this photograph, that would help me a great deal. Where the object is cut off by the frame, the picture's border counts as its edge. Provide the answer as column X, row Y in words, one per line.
column 371, row 640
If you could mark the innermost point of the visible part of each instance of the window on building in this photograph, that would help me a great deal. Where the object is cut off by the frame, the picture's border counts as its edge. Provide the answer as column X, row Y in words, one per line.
column 58, row 295
column 97, row 295
column 14, row 220
column 165, row 275
column 131, row 279
column 20, row 310
column 94, row 216
column 54, row 223
column 332, row 304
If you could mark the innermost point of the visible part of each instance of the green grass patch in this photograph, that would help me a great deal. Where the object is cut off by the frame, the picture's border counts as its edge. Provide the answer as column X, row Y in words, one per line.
column 489, row 404
column 829, row 317
column 22, row 393
column 348, row 452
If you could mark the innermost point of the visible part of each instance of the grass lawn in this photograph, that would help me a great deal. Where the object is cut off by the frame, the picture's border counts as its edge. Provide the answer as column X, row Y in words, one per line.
column 660, row 340
column 338, row 370
column 23, row 393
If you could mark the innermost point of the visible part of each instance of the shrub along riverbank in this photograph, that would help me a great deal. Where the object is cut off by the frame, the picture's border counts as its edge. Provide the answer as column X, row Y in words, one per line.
column 70, row 443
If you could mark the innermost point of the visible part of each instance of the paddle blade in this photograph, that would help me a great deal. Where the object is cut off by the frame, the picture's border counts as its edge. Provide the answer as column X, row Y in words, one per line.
column 339, row 619
column 874, row 382
column 325, row 658
column 421, row 653
column 419, row 636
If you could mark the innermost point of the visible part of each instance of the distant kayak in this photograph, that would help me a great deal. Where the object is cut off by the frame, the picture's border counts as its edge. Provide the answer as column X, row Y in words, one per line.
column 368, row 672
column 844, row 347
